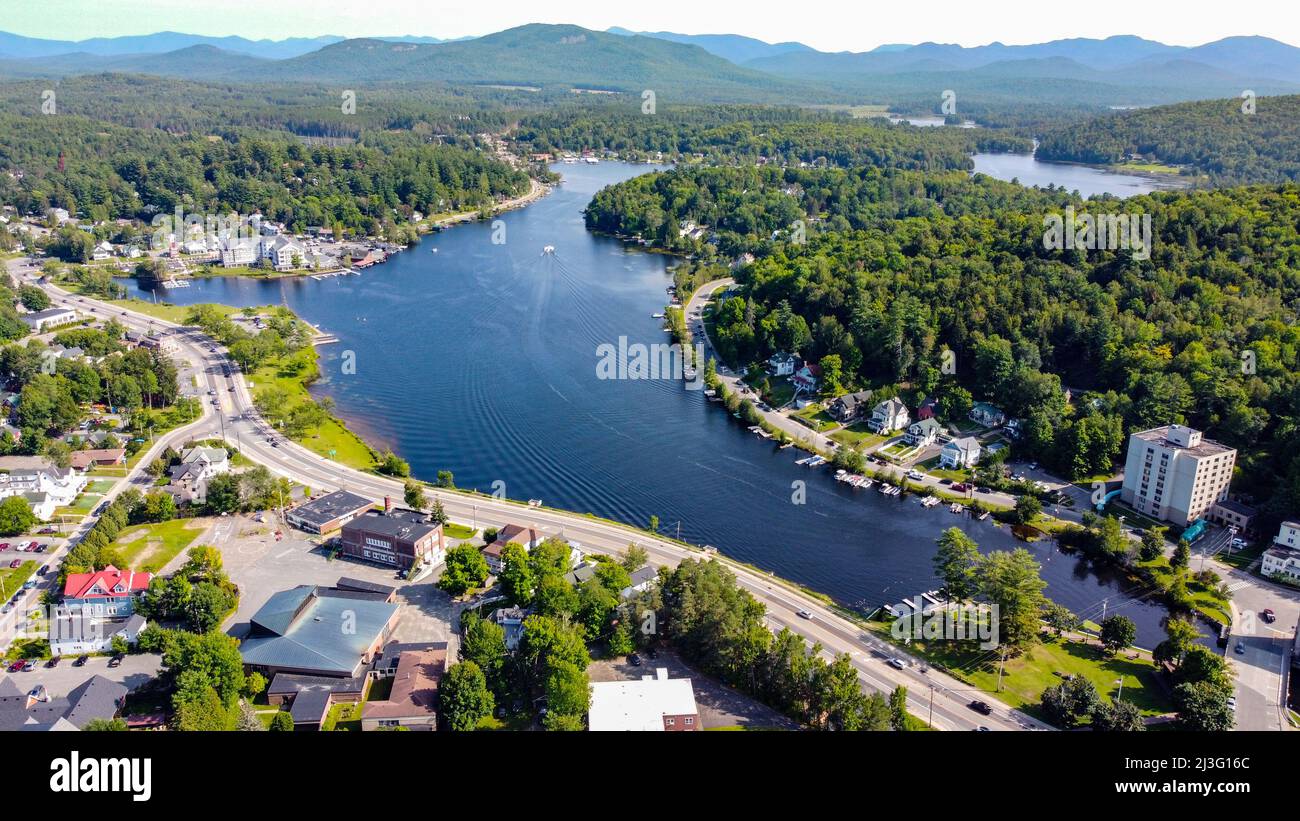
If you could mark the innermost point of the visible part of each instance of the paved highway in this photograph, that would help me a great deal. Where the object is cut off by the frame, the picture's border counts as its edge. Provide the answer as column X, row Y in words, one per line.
column 245, row 429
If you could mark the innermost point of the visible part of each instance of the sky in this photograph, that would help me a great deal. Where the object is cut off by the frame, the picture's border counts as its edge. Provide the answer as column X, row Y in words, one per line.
column 831, row 25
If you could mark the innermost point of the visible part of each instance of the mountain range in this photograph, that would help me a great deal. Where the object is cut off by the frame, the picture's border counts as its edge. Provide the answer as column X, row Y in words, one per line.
column 1116, row 71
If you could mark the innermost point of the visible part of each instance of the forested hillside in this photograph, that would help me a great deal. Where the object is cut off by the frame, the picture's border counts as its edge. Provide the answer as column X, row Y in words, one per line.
column 1212, row 137
column 910, row 264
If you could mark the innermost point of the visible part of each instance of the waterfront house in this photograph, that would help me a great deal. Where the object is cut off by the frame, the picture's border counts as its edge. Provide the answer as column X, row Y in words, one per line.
column 524, row 536
column 107, row 592
column 848, row 407
column 642, row 580
column 923, row 433
column 888, row 416
column 805, row 379
column 990, row 416
column 782, row 364
column 237, row 251
column 963, row 452
column 283, row 253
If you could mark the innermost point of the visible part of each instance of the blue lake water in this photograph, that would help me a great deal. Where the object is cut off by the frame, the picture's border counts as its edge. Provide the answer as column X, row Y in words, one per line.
column 1085, row 179
column 481, row 359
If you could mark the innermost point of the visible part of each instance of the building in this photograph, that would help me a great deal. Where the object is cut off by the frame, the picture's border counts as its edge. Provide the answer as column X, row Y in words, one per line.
column 416, row 671
column 1279, row 561
column 923, row 433
column 50, row 318
column 526, row 536
column 1175, row 475
column 928, row 409
column 238, row 251
column 318, row 631
column 511, row 620
column 398, row 538
column 75, row 633
column 642, row 580
column 990, row 416
column 329, row 512
column 283, row 253
column 1288, row 535
column 782, row 364
column 309, row 698
column 97, row 697
column 805, row 379
column 890, row 415
column 83, row 459
column 655, row 703
column 106, row 593
column 62, row 485
column 1231, row 513
column 189, row 479
column 963, row 452
column 848, row 407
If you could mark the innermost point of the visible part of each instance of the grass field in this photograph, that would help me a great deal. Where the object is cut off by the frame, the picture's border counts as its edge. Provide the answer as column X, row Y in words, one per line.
column 857, row 435
column 12, row 578
column 815, row 417
column 331, row 439
column 1024, row 678
column 455, row 531
column 151, row 547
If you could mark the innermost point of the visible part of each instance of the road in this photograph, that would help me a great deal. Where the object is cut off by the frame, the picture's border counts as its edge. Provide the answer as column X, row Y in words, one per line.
column 241, row 426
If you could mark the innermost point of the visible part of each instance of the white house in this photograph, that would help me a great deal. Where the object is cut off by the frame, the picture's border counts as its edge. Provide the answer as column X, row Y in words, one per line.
column 963, row 452
column 1288, row 535
column 238, row 252
column 189, row 479
column 923, row 433
column 887, row 416
column 1280, row 561
column 284, row 253
column 74, row 633
column 782, row 364
column 43, row 488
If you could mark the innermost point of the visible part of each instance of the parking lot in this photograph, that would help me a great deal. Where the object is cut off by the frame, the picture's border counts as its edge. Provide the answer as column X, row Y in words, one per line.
column 261, row 566
column 719, row 705
column 61, row 680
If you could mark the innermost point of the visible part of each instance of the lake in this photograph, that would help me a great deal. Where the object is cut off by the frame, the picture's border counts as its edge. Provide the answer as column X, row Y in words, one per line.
column 1086, row 179
column 481, row 359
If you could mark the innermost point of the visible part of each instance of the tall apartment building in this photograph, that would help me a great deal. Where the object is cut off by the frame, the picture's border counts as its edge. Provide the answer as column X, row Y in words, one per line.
column 1175, row 475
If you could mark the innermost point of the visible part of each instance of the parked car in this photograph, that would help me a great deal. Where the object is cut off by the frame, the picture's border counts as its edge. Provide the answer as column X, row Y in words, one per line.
column 40, row 548
column 18, row 666
column 116, row 661
column 1232, row 703
column 16, row 563
column 4, row 545
column 1268, row 615
column 54, row 661
column 634, row 660
column 81, row 661
column 1240, row 648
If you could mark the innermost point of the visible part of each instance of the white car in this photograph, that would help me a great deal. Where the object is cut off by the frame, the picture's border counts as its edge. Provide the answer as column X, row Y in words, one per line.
column 898, row 664
column 914, row 474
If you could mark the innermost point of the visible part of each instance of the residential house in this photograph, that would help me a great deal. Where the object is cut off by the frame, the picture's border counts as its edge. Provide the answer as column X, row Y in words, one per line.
column 524, row 535
column 848, row 407
column 511, row 620
column 107, row 592
column 1288, row 535
column 642, row 579
column 782, row 364
column 1231, row 513
column 888, row 416
column 805, row 379
column 923, row 433
column 928, row 409
column 990, row 416
column 963, row 452
column 73, row 633
column 654, row 703
column 190, row 478
column 95, row 698
column 318, row 631
column 54, row 487
column 416, row 671
column 1279, row 561
column 84, row 459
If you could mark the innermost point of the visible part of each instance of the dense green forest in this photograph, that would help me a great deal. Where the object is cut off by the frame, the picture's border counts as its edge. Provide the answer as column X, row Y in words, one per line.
column 111, row 171
column 1216, row 138
column 743, row 134
column 916, row 264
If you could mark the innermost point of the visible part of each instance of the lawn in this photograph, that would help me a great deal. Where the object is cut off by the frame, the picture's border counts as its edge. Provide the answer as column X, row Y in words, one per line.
column 455, row 531
column 931, row 466
column 815, row 417
column 12, row 578
column 331, row 439
column 1025, row 677
column 151, row 547
column 857, row 435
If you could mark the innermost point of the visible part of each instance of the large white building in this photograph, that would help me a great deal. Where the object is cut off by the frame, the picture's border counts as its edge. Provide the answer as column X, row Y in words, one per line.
column 44, row 489
column 655, row 703
column 1174, row 474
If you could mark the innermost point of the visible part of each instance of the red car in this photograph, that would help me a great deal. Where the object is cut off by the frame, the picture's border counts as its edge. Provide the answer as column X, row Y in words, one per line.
column 4, row 545
column 16, row 563
column 18, row 666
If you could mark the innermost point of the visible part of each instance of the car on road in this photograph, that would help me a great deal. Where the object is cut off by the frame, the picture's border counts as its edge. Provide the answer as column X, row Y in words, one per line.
column 116, row 661
column 981, row 707
column 81, row 661
column 805, row 614
column 1232, row 703
column 898, row 664
column 4, row 546
column 982, row 490
column 945, row 481
column 1268, row 615
column 915, row 475
column 961, row 487
column 1240, row 648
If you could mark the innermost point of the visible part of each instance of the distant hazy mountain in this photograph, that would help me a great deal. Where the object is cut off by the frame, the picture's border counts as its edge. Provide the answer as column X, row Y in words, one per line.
column 13, row 46
column 542, row 55
column 733, row 47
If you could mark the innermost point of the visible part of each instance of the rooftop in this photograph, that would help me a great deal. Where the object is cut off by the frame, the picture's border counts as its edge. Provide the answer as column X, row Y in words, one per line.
column 331, row 506
column 1161, row 436
column 415, row 683
column 311, row 628
column 640, row 705
column 405, row 525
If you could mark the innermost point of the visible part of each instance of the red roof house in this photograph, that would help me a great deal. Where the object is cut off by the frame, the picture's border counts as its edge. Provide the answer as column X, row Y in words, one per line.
column 109, row 591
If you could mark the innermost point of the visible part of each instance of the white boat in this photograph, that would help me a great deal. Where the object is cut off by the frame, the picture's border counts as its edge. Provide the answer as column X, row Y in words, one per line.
column 983, row 515
column 549, row 249
column 590, row 160
column 657, row 316
column 534, row 502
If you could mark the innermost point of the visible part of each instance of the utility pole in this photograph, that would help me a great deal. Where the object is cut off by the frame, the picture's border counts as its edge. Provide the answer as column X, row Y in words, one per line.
column 1001, row 663
column 930, row 720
